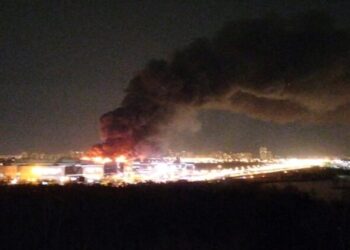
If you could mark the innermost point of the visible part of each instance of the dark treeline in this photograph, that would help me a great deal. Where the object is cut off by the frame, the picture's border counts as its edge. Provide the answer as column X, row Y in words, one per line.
column 173, row 216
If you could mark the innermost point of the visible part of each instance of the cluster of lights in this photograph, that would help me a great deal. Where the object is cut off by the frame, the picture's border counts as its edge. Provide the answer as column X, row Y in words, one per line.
column 164, row 174
column 104, row 160
column 157, row 172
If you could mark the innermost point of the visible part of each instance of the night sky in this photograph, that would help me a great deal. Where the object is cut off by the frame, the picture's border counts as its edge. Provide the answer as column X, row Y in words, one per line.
column 63, row 64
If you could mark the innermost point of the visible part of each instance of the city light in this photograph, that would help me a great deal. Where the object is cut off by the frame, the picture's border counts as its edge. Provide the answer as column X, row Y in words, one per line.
column 121, row 171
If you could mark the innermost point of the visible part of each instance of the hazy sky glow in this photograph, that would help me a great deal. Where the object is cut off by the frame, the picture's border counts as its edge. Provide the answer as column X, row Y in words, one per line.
column 62, row 65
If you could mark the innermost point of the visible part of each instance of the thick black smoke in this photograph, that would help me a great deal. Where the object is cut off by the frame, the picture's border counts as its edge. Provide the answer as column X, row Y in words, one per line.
column 275, row 69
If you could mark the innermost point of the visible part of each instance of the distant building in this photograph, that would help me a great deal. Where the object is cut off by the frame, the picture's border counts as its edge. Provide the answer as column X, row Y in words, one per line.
column 243, row 156
column 10, row 156
column 76, row 154
column 265, row 154
column 211, row 157
column 184, row 153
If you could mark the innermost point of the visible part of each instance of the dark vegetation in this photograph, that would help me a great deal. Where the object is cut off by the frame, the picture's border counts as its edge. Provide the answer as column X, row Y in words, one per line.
column 302, row 175
column 173, row 216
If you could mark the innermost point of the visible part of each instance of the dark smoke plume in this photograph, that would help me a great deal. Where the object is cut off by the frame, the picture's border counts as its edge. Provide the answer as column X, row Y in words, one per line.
column 274, row 69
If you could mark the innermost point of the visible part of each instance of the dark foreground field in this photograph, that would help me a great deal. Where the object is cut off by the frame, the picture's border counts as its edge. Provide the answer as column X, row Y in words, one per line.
column 176, row 216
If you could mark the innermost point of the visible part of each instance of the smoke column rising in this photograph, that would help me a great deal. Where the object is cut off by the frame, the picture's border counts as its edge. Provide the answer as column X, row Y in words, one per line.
column 275, row 69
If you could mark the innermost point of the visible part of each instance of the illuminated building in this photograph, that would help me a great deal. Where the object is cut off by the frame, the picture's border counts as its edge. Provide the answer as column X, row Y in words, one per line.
column 265, row 155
